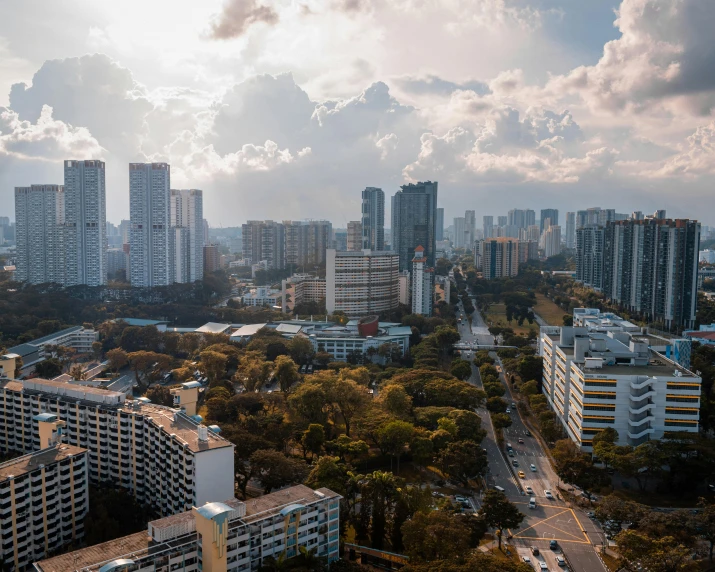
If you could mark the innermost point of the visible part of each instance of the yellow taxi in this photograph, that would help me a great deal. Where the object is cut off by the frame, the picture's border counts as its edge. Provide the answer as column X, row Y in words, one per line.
column 522, row 474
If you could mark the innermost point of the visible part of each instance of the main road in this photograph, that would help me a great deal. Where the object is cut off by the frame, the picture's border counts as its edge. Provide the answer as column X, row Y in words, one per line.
column 552, row 519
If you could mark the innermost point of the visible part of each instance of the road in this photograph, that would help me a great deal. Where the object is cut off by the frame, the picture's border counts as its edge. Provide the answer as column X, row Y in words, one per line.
column 553, row 519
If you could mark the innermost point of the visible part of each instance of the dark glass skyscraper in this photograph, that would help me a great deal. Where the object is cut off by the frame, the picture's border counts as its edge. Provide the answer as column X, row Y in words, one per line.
column 414, row 222
column 373, row 219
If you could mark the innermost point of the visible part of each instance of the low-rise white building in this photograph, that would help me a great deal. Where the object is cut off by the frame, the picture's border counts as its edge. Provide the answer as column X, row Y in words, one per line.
column 230, row 536
column 262, row 296
column 612, row 378
column 78, row 338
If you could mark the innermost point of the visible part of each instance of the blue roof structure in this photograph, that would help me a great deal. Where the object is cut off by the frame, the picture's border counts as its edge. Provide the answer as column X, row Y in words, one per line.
column 117, row 564
column 213, row 509
column 45, row 417
column 190, row 385
column 291, row 508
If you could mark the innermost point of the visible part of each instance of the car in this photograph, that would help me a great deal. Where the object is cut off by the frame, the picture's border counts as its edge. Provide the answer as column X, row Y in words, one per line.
column 543, row 566
column 521, row 440
column 510, row 453
column 534, row 551
column 712, row 488
column 532, row 467
column 591, row 514
column 522, row 475
column 460, row 498
column 553, row 545
column 548, row 495
column 515, row 463
column 513, row 405
column 526, row 559
column 560, row 561
column 529, row 490
column 508, row 410
column 527, row 433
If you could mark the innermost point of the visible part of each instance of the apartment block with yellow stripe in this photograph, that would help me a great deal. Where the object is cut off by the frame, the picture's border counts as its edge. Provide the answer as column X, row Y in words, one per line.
column 228, row 536
column 595, row 378
column 165, row 457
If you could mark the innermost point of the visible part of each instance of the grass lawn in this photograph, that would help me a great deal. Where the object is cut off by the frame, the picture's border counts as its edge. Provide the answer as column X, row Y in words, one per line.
column 496, row 316
column 549, row 312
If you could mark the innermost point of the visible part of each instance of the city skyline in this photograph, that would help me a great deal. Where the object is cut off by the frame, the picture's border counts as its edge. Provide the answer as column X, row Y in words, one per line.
column 237, row 109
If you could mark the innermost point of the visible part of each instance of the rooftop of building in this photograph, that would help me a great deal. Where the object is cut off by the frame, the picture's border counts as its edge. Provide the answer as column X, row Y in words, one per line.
column 33, row 461
column 213, row 328
column 182, row 426
column 39, row 384
column 136, row 545
column 141, row 321
column 50, row 337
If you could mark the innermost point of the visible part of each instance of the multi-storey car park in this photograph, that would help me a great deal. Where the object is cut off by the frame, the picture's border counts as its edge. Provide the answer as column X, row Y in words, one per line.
column 162, row 456
column 605, row 374
column 229, row 536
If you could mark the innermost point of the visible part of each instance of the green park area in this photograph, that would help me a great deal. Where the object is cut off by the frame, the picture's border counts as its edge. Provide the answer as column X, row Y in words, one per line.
column 548, row 311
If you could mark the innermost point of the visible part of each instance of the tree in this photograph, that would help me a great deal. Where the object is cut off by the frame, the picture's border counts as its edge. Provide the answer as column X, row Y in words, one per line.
column 530, row 367
column 313, row 439
column 379, row 495
column 469, row 425
column 501, row 420
column 499, row 513
column 394, row 437
column 705, row 524
column 214, row 365
column 349, row 397
column 322, row 358
column 117, row 359
column 160, row 396
column 97, row 350
column 436, row 535
column 576, row 467
column 461, row 369
column 48, row 368
column 330, row 473
column 529, row 388
column 620, row 510
column 301, row 350
column 347, row 448
column 395, row 400
column 310, row 402
column 274, row 470
column 253, row 371
column 77, row 372
column 147, row 364
column 421, row 448
column 656, row 555
column 463, row 461
column 286, row 373
column 497, row 405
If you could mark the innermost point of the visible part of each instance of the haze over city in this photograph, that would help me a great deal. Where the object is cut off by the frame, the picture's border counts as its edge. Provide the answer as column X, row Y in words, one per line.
column 288, row 109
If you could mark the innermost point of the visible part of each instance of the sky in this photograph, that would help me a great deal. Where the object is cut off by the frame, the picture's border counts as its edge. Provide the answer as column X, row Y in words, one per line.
column 287, row 109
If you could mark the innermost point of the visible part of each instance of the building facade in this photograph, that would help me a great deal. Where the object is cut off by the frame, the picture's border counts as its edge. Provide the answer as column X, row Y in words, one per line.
column 187, row 221
column 373, row 219
column 440, row 225
column 85, row 226
column 355, row 238
column 228, row 536
column 595, row 379
column 361, row 283
column 650, row 267
column 422, row 284
column 300, row 289
column 264, row 240
column 589, row 256
column 150, row 239
column 39, row 224
column 44, row 502
column 570, row 238
column 161, row 456
column 414, row 222
column 552, row 241
column 548, row 214
column 500, row 258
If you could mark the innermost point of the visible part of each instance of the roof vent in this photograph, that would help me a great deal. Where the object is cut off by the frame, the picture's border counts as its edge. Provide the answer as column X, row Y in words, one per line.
column 203, row 433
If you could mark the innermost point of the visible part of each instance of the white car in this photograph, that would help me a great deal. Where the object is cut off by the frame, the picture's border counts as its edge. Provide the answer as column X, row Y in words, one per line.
column 532, row 467
column 508, row 410
column 529, row 490
column 526, row 559
column 543, row 566
column 560, row 561
column 548, row 495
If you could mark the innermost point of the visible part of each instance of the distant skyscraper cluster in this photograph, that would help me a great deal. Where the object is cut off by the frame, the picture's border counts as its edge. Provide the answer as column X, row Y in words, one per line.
column 62, row 231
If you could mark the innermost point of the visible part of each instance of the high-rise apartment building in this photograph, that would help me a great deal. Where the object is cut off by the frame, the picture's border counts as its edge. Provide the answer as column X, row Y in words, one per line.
column 187, row 222
column 44, row 503
column 355, row 235
column 306, row 243
column 552, row 241
column 440, row 224
column 264, row 240
column 552, row 215
column 422, row 284
column 160, row 455
column 521, row 218
column 414, row 222
column 650, row 267
column 373, row 219
column 212, row 258
column 589, row 256
column 226, row 536
column 85, row 226
column 570, row 237
column 151, row 244
column 488, row 224
column 470, row 228
column 500, row 258
column 459, row 233
column 39, row 220
column 362, row 283
column 602, row 374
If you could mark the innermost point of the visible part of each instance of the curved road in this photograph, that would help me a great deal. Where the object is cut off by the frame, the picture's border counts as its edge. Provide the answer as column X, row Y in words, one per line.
column 551, row 519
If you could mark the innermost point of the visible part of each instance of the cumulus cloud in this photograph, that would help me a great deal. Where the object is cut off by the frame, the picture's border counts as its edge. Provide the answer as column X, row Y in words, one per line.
column 48, row 139
column 237, row 16
column 664, row 58
column 434, row 85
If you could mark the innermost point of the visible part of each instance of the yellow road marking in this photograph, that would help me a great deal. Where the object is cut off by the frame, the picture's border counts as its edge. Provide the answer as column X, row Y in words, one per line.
column 543, row 521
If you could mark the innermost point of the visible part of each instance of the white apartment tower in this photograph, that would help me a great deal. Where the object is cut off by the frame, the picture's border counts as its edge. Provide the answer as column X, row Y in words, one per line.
column 85, row 226
column 39, row 214
column 150, row 243
column 552, row 241
column 422, row 284
column 187, row 221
